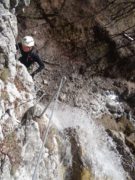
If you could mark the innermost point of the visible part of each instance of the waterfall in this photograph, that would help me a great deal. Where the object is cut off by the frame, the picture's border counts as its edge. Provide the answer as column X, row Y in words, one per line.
column 98, row 149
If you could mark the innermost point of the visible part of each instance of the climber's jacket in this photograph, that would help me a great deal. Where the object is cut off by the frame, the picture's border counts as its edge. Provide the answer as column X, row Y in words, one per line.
column 29, row 58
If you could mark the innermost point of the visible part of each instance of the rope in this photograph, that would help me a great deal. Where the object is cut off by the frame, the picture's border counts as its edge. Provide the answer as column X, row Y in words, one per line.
column 46, row 132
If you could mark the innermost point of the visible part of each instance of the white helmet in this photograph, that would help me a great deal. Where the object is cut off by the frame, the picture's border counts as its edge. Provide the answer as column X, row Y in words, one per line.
column 28, row 41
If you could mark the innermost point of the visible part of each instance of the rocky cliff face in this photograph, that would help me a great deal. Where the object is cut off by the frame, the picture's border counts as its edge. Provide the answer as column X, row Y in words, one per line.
column 92, row 43
column 21, row 135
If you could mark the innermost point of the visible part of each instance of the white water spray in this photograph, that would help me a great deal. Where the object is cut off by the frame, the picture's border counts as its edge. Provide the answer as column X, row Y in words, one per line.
column 98, row 149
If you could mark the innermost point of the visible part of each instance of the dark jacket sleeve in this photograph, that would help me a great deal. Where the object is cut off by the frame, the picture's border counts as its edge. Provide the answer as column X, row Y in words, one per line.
column 39, row 61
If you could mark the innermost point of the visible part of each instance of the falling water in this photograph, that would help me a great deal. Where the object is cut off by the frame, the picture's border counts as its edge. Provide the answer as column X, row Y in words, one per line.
column 98, row 149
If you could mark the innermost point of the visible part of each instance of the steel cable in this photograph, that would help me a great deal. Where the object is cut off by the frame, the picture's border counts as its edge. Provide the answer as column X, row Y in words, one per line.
column 47, row 130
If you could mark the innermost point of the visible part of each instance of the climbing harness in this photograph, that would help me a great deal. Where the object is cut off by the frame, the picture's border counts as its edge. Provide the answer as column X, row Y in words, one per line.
column 56, row 95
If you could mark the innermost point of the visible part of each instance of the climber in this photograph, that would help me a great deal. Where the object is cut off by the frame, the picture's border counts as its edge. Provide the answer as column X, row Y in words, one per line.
column 28, row 55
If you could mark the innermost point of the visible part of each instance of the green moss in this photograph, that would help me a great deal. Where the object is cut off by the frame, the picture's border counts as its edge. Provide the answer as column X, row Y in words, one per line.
column 4, row 95
column 13, row 169
column 4, row 74
column 86, row 175
column 10, row 138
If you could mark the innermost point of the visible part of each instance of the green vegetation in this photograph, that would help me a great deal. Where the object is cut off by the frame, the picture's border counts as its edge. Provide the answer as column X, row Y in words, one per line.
column 86, row 175
column 4, row 95
column 4, row 74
